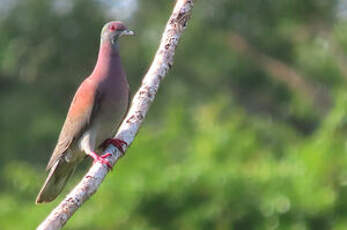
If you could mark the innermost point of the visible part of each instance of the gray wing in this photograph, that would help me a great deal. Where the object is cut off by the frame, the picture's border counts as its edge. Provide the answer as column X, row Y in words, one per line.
column 81, row 112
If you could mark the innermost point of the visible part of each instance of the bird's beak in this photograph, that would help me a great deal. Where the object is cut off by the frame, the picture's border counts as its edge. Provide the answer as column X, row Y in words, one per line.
column 128, row 32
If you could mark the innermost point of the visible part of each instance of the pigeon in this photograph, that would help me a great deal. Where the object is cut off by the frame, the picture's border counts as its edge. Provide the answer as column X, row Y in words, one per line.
column 99, row 105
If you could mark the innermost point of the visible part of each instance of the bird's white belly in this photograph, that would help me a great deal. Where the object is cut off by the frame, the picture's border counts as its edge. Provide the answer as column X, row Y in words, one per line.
column 86, row 143
column 94, row 136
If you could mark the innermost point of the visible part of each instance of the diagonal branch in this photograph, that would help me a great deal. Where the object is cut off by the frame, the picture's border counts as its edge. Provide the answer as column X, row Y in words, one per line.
column 142, row 100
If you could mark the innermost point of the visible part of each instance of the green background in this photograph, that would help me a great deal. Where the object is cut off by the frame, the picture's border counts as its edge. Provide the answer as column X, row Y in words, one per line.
column 248, row 130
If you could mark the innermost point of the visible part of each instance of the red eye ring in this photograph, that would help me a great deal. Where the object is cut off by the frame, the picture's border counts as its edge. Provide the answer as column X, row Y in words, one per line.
column 112, row 27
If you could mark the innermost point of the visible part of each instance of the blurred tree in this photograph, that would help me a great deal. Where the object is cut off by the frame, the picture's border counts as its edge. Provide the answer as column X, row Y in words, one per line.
column 249, row 138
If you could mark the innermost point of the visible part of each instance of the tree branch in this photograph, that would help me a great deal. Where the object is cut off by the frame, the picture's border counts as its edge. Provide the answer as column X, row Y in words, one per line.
column 142, row 100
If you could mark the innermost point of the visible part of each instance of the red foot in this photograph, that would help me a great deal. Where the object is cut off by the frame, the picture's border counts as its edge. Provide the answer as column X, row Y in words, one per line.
column 118, row 143
column 101, row 159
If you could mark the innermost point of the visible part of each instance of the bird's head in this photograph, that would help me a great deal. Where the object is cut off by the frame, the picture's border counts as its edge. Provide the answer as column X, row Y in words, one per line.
column 112, row 31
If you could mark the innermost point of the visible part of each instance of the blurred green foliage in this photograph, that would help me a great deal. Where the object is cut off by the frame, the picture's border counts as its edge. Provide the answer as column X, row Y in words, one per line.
column 249, row 130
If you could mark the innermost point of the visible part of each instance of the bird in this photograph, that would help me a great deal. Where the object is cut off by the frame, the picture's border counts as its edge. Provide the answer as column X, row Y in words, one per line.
column 98, row 106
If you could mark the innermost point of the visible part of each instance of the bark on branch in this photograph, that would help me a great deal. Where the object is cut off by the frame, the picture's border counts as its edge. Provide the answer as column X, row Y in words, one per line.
column 142, row 100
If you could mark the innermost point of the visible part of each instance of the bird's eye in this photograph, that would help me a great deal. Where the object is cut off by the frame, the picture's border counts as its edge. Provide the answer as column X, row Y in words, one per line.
column 112, row 27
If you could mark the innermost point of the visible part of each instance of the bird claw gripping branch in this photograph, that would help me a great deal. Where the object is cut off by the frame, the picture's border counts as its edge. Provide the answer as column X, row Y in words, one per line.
column 101, row 159
column 118, row 143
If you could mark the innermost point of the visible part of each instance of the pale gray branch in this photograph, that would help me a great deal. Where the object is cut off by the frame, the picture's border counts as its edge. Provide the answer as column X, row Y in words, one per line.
column 142, row 100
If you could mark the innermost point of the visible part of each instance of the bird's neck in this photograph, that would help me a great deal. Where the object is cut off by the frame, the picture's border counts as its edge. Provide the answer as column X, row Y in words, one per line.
column 108, row 60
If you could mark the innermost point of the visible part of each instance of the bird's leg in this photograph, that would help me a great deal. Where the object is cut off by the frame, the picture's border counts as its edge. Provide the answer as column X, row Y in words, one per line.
column 101, row 159
column 118, row 143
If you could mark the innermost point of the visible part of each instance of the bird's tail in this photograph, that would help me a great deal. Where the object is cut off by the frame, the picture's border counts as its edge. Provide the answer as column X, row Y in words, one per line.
column 56, row 180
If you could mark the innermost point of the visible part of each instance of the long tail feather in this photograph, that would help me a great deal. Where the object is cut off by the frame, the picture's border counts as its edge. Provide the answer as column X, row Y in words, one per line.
column 56, row 180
